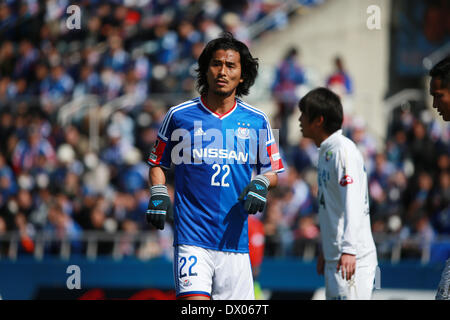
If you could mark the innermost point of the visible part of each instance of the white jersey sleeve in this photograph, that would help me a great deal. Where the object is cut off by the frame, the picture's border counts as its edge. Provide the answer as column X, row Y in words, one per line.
column 351, row 182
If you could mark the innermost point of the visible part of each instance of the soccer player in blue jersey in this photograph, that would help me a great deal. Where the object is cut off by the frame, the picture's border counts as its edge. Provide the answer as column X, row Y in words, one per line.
column 225, row 159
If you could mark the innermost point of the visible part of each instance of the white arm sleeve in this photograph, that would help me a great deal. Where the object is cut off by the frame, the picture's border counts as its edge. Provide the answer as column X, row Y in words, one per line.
column 350, row 193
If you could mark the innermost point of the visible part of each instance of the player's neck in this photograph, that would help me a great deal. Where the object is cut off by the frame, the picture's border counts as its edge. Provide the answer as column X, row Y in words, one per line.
column 220, row 104
column 320, row 137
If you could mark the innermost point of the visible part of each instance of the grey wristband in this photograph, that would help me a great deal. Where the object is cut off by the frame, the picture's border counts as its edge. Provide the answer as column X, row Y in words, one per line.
column 159, row 189
column 263, row 179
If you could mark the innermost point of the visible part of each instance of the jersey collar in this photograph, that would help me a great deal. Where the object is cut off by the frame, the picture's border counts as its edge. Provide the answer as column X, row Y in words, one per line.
column 330, row 141
column 215, row 114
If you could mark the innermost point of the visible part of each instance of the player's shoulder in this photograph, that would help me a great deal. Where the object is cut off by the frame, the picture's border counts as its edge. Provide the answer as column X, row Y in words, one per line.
column 346, row 147
column 248, row 108
column 185, row 106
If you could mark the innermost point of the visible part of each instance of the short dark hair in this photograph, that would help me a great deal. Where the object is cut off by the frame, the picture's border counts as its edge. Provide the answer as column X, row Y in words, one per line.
column 323, row 102
column 442, row 71
column 249, row 65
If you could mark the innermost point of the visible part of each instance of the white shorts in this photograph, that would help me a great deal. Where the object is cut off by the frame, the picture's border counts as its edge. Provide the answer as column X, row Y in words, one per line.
column 360, row 287
column 218, row 275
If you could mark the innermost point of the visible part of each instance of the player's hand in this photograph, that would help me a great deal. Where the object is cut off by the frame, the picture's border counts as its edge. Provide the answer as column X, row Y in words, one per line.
column 256, row 193
column 159, row 206
column 347, row 265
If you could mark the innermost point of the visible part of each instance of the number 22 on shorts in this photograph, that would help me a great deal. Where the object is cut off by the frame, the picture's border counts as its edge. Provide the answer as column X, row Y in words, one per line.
column 192, row 262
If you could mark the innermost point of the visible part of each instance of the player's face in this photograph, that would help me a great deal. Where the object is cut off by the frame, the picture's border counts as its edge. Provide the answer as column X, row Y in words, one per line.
column 305, row 125
column 224, row 72
column 441, row 98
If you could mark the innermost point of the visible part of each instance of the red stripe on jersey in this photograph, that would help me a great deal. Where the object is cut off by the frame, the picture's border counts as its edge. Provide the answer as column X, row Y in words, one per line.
column 276, row 163
column 157, row 152
column 218, row 114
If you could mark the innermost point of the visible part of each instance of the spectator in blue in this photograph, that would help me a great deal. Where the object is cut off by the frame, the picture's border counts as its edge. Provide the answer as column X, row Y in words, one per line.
column 167, row 41
column 418, row 199
column 397, row 149
column 422, row 149
column 300, row 157
column 116, row 57
column 7, row 20
column 27, row 60
column 7, row 59
column 27, row 152
column 187, row 36
column 57, row 86
column 8, row 185
column 379, row 182
column 340, row 77
column 288, row 76
column 89, row 82
column 62, row 226
column 133, row 177
column 7, row 129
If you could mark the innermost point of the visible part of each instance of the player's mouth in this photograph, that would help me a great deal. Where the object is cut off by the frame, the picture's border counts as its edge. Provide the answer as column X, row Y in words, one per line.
column 221, row 82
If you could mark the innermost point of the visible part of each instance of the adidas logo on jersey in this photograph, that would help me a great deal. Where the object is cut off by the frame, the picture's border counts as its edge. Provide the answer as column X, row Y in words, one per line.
column 199, row 132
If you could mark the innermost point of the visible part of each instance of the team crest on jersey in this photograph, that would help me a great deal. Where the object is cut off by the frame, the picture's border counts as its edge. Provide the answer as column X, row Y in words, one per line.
column 328, row 155
column 243, row 133
column 346, row 180
column 187, row 283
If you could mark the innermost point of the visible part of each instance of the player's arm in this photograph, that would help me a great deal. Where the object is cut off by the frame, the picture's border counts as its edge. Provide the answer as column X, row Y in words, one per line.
column 347, row 173
column 273, row 179
column 255, row 193
column 156, row 176
column 159, row 207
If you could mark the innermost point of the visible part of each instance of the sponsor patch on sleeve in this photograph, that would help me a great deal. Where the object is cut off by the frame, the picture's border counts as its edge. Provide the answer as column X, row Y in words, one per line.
column 157, row 152
column 346, row 180
column 275, row 158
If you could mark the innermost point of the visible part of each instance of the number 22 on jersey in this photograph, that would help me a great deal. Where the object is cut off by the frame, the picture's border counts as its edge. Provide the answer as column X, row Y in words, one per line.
column 215, row 180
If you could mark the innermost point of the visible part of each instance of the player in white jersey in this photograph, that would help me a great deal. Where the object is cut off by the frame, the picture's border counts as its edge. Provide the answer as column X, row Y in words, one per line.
column 348, row 258
column 440, row 90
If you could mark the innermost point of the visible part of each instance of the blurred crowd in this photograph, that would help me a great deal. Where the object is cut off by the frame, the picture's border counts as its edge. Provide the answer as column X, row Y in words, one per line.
column 50, row 177
column 137, row 47
column 408, row 173
column 52, row 180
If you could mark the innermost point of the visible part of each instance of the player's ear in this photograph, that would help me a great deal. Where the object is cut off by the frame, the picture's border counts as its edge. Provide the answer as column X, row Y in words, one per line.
column 319, row 121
